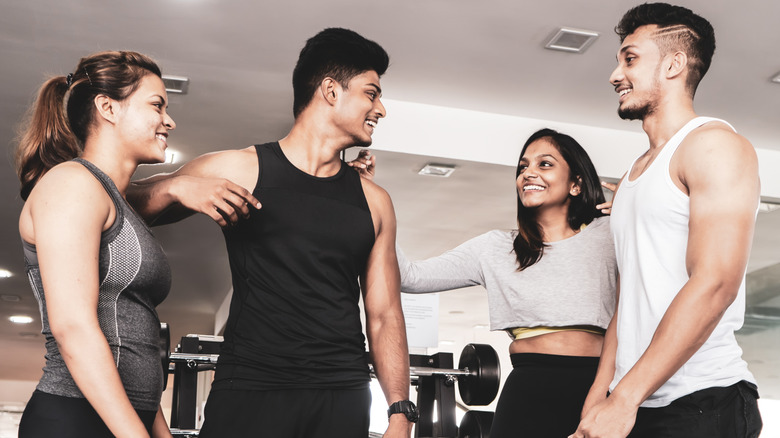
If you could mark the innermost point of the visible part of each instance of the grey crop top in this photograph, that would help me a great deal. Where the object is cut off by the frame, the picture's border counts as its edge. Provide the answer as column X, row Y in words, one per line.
column 573, row 283
column 134, row 278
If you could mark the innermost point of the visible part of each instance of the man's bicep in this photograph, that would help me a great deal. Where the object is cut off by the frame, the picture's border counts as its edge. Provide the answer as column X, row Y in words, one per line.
column 382, row 277
column 724, row 192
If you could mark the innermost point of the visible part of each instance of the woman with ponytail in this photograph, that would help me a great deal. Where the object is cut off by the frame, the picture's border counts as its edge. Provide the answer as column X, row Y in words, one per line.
column 551, row 284
column 94, row 266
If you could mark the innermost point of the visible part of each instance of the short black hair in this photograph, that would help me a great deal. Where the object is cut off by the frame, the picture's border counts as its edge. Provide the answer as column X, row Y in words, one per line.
column 337, row 53
column 680, row 28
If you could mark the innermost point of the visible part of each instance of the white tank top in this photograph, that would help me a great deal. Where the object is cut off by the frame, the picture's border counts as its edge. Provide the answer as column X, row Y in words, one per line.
column 650, row 227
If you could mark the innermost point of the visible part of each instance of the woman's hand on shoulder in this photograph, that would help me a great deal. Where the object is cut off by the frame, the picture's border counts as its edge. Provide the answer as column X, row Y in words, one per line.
column 606, row 207
column 364, row 164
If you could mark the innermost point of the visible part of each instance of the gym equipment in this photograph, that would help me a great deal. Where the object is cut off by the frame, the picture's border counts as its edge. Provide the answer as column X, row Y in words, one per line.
column 475, row 424
column 194, row 353
column 165, row 350
column 186, row 433
column 480, row 385
column 478, row 376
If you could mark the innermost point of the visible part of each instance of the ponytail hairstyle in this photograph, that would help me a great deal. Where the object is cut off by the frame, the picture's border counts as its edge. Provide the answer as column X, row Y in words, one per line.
column 529, row 244
column 64, row 112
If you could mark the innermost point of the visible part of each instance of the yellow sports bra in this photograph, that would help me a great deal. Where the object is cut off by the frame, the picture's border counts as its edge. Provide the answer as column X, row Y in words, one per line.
column 530, row 332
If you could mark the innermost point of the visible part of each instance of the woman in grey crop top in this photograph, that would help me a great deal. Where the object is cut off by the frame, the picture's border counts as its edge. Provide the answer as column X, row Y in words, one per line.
column 94, row 267
column 551, row 284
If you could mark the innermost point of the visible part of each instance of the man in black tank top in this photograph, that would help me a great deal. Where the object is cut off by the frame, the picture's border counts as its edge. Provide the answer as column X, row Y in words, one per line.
column 293, row 363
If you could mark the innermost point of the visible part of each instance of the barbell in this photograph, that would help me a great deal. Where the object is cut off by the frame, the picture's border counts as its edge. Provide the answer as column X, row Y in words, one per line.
column 478, row 373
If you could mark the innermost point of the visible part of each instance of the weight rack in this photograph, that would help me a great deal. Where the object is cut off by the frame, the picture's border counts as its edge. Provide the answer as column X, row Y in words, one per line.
column 433, row 376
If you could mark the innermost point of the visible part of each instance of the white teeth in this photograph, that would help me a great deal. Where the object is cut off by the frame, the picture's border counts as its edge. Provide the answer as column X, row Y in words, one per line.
column 371, row 123
column 624, row 92
column 532, row 187
column 162, row 138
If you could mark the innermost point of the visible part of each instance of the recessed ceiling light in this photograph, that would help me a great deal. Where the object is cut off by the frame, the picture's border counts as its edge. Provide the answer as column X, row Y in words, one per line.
column 170, row 156
column 176, row 84
column 10, row 298
column 776, row 78
column 4, row 273
column 20, row 319
column 434, row 169
column 767, row 207
column 571, row 40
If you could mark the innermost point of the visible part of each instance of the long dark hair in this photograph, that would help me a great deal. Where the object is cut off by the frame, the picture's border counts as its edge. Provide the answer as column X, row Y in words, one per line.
column 529, row 245
column 64, row 112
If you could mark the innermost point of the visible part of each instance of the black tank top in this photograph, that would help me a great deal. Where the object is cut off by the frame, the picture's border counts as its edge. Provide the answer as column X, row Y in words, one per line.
column 294, row 320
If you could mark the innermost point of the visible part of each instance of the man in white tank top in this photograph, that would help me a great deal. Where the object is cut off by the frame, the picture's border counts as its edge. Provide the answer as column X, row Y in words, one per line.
column 683, row 220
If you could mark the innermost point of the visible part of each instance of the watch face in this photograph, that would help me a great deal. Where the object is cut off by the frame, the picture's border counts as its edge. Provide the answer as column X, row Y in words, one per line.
column 413, row 415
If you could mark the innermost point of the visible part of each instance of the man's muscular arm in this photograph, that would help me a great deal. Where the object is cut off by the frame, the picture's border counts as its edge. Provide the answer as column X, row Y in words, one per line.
column 214, row 184
column 384, row 317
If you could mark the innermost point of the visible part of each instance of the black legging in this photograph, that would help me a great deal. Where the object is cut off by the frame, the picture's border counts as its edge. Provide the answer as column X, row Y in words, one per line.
column 48, row 415
column 543, row 396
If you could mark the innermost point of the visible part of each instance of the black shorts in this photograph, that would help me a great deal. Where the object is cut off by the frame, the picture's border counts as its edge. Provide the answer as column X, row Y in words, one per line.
column 289, row 413
column 730, row 412
column 48, row 415
column 543, row 396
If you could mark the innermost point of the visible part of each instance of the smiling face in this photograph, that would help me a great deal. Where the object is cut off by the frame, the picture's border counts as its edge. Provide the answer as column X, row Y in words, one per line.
column 544, row 178
column 637, row 76
column 359, row 108
column 144, row 122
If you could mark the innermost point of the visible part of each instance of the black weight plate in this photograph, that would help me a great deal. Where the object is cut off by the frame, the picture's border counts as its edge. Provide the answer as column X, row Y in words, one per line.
column 480, row 387
column 475, row 424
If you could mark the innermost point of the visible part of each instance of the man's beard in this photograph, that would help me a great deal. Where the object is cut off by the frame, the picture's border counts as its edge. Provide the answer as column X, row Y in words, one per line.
column 636, row 113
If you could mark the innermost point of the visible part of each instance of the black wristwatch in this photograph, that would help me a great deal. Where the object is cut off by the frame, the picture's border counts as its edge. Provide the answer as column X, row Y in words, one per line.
column 405, row 407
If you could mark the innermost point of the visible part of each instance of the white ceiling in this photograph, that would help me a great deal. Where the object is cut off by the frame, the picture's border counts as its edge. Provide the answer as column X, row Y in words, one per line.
column 482, row 56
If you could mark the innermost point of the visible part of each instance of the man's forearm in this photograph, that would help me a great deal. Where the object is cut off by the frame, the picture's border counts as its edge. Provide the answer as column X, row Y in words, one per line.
column 686, row 325
column 155, row 201
column 390, row 355
column 150, row 197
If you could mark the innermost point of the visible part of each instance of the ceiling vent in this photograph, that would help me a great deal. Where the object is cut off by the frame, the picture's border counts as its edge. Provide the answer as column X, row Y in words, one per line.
column 571, row 40
column 434, row 169
column 176, row 84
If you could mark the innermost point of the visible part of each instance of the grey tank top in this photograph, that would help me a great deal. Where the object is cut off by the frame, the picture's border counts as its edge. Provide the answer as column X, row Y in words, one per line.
column 134, row 278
